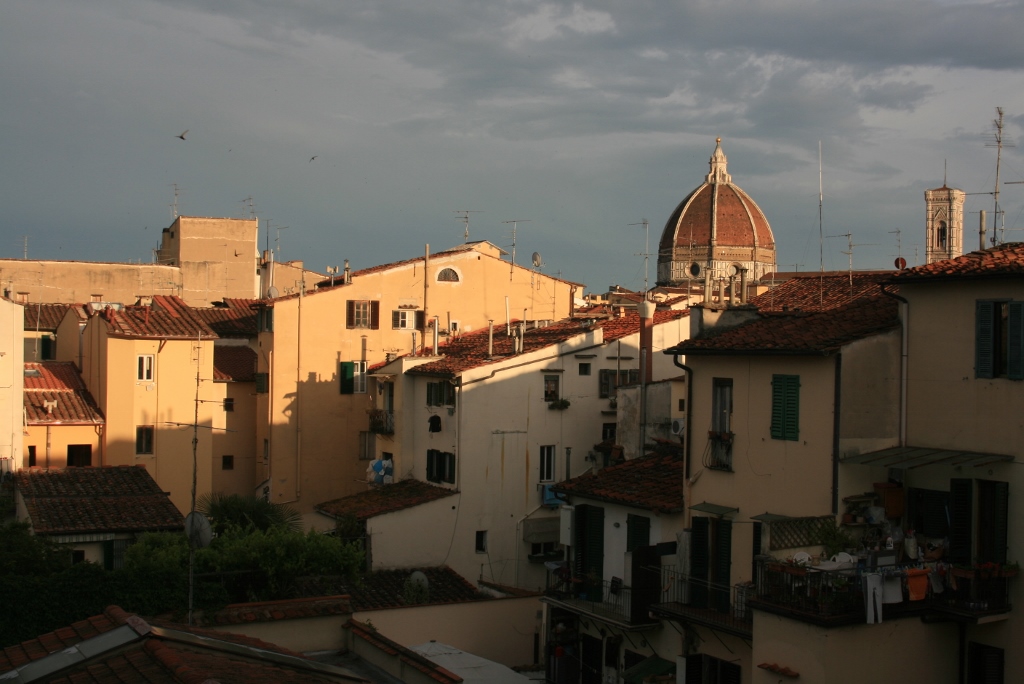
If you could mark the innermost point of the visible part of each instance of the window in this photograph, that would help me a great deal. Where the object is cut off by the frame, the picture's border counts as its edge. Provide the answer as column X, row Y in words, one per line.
column 96, row 298
column 786, row 407
column 710, row 562
column 584, row 369
column 999, row 340
column 447, row 275
column 973, row 515
column 146, row 363
column 265, row 320
column 588, row 542
column 79, row 455
column 551, row 388
column 721, row 435
column 367, row 446
column 77, row 556
column 705, row 669
column 940, row 235
column 262, row 382
column 31, row 455
column 406, row 319
column 440, row 393
column 607, row 432
column 481, row 541
column 229, row 403
column 144, row 439
column 985, row 664
column 266, row 450
column 440, row 466
column 609, row 379
column 547, row 463
column 638, row 531
column 362, row 314
column 227, row 462
column 352, row 375
column 548, row 548
column 48, row 350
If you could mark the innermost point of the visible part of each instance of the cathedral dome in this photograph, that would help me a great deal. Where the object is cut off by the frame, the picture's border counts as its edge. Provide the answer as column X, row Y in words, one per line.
column 716, row 232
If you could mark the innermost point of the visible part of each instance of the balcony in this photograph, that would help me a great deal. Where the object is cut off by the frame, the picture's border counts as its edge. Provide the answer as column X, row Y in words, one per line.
column 382, row 422
column 835, row 596
column 699, row 601
column 606, row 600
column 719, row 455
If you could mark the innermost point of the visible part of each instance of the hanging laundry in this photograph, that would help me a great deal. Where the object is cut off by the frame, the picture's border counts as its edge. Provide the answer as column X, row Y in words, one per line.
column 892, row 589
column 873, row 597
column 917, row 583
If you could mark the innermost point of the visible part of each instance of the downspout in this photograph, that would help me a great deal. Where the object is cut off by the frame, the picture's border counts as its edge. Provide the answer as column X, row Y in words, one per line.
column 426, row 292
column 298, row 395
column 686, row 422
column 904, row 347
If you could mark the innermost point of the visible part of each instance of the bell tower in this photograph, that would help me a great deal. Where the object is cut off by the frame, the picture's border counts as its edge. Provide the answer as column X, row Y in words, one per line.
column 944, row 224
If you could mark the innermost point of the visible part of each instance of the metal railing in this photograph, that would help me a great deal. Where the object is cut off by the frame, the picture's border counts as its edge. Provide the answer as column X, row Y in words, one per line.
column 609, row 598
column 710, row 603
column 382, row 422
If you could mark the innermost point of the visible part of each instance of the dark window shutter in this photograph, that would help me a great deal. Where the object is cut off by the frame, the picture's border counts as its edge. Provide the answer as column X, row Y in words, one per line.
column 421, row 320
column 700, row 536
column 346, row 373
column 984, row 334
column 589, row 538
column 785, row 407
column 350, row 314
column 432, row 394
column 961, row 508
column 108, row 554
column 756, row 547
column 449, row 461
column 47, row 351
column 396, row 319
column 638, row 531
column 985, row 664
column 431, row 465
column 993, row 509
column 1015, row 342
column 374, row 315
column 695, row 668
column 261, row 383
column 729, row 673
column 723, row 563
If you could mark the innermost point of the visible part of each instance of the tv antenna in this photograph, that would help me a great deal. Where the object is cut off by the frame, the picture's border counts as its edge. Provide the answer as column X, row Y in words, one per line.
column 999, row 143
column 849, row 252
column 174, row 205
column 333, row 271
column 463, row 215
column 647, row 249
column 248, row 203
column 515, row 223
column 277, row 243
column 901, row 263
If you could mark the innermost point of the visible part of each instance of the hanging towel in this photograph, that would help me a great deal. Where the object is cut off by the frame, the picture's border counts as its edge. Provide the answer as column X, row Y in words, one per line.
column 936, row 579
column 873, row 597
column 892, row 591
column 917, row 584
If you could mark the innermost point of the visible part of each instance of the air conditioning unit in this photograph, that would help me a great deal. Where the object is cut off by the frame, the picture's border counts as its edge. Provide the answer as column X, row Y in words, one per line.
column 678, row 426
column 549, row 497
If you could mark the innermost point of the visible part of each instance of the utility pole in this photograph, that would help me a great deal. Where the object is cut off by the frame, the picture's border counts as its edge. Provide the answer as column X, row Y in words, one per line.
column 999, row 143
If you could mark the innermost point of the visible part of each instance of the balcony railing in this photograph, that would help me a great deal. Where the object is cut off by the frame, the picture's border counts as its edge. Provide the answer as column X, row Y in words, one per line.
column 607, row 599
column 712, row 604
column 382, row 422
column 832, row 597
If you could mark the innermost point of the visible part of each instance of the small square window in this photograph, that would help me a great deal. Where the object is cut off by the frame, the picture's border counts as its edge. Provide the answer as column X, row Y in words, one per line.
column 77, row 556
column 227, row 462
column 144, row 439
column 31, row 455
column 146, row 362
column 481, row 541
column 229, row 404
column 608, row 432
column 584, row 369
column 682, row 406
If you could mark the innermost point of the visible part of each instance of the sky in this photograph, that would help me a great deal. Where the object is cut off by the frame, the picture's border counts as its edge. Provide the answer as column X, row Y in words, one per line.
column 360, row 128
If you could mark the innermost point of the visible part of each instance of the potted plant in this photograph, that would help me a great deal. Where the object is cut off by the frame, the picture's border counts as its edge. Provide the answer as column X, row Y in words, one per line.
column 833, row 539
column 1010, row 569
column 558, row 404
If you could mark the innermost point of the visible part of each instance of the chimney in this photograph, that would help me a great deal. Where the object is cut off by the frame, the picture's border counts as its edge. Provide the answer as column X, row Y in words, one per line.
column 348, row 274
column 743, row 286
column 490, row 339
column 647, row 337
column 981, row 229
column 437, row 332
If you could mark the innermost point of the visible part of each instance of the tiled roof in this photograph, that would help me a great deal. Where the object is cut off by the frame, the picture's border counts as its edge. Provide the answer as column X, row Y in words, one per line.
column 270, row 611
column 46, row 317
column 233, row 363
column 819, row 332
column 385, row 499
column 58, row 381
column 821, row 291
column 386, row 588
column 236, row 319
column 164, row 655
column 996, row 262
column 407, row 656
column 166, row 318
column 96, row 499
column 470, row 350
column 653, row 482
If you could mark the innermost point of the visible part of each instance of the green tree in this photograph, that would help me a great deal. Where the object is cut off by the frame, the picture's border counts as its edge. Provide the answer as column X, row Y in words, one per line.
column 22, row 553
column 248, row 512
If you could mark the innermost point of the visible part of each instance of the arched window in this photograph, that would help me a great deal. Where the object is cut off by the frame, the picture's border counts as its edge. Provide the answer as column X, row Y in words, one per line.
column 940, row 235
column 447, row 275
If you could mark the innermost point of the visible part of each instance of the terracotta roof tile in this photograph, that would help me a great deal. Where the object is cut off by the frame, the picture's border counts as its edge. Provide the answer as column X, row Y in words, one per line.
column 408, row 657
column 821, row 291
column 33, row 649
column 996, row 262
column 46, row 317
column 819, row 332
column 270, row 611
column 233, row 363
column 385, row 499
column 166, row 318
column 237, row 318
column 96, row 499
column 470, row 350
column 653, row 482
column 58, row 381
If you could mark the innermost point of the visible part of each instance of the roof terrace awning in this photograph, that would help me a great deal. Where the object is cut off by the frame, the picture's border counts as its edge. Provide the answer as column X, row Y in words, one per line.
column 916, row 457
column 713, row 509
column 770, row 517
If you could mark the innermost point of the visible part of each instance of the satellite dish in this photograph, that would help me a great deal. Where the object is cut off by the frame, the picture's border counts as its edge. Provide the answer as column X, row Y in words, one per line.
column 537, row 263
column 273, row 292
column 197, row 527
column 417, row 577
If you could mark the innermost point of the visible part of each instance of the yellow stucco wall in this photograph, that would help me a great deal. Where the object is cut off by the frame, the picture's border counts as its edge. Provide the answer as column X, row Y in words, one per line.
column 12, row 378
column 60, row 437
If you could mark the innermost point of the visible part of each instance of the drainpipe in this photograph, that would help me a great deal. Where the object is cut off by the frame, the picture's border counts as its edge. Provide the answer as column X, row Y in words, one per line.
column 904, row 346
column 490, row 339
column 836, row 425
column 686, row 421
column 647, row 308
column 437, row 332
column 426, row 292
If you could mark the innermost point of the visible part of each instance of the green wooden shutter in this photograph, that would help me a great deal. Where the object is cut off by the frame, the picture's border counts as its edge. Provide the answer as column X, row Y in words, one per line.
column 729, row 673
column 961, row 510
column 984, row 338
column 346, row 373
column 700, row 536
column 723, row 564
column 262, row 383
column 449, row 468
column 1015, row 342
column 993, row 510
column 589, row 538
column 785, row 407
column 638, row 531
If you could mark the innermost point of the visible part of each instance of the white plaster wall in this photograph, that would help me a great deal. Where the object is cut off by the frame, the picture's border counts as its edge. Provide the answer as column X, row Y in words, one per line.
column 12, row 384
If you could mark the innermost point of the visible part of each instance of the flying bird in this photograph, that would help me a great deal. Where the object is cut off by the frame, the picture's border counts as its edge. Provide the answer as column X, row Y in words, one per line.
column 182, row 136
column 314, row 157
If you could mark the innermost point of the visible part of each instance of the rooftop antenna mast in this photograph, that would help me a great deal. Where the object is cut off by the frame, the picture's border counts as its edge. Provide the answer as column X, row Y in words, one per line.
column 24, row 247
column 849, row 252
column 515, row 223
column 463, row 215
column 252, row 207
column 998, row 142
column 174, row 206
column 277, row 243
column 821, row 218
column 899, row 243
column 647, row 250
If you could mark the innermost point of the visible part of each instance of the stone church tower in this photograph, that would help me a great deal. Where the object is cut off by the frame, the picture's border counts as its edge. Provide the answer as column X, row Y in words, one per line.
column 717, row 236
column 944, row 224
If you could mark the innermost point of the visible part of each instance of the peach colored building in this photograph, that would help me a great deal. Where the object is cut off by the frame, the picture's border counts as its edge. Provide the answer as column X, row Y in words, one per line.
column 63, row 425
column 315, row 348
column 12, row 373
